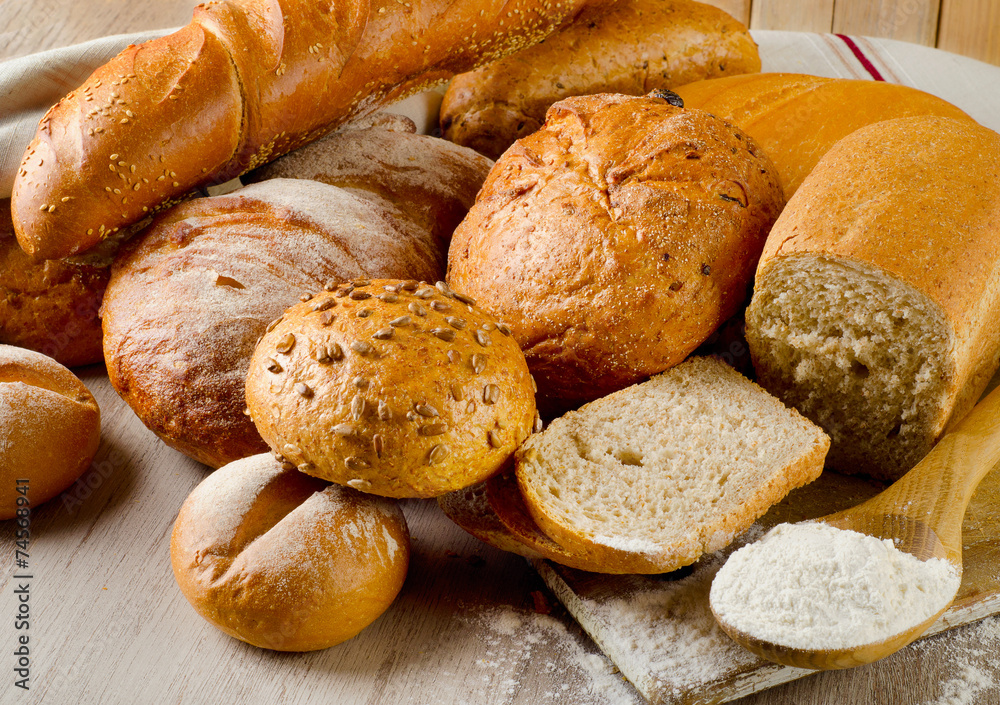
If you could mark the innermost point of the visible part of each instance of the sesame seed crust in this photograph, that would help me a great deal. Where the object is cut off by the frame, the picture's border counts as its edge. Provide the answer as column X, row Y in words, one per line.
column 436, row 414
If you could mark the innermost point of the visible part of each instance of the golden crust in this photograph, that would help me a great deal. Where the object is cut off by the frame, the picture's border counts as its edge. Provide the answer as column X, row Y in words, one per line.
column 285, row 561
column 245, row 82
column 50, row 306
column 632, row 47
column 627, row 230
column 396, row 388
column 51, row 428
column 192, row 294
column 796, row 118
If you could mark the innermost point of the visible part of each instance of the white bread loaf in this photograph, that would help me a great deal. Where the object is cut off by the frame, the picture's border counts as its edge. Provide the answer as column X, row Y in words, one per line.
column 877, row 300
column 649, row 478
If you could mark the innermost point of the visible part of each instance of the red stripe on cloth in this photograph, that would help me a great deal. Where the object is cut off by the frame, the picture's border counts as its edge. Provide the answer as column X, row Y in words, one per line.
column 860, row 56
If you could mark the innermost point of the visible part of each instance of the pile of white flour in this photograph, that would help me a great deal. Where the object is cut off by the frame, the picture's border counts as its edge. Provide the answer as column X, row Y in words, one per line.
column 813, row 586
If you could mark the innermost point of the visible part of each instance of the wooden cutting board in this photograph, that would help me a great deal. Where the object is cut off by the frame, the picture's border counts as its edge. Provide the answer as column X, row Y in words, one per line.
column 659, row 631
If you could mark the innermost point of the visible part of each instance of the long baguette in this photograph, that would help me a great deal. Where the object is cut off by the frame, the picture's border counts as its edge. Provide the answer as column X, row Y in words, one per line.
column 245, row 82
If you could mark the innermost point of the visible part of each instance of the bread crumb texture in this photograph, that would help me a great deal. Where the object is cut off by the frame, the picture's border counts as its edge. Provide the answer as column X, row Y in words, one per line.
column 655, row 475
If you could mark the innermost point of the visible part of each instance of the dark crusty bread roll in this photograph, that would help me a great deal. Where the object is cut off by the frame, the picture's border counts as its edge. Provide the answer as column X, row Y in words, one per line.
column 632, row 47
column 796, row 118
column 284, row 561
column 245, row 82
column 876, row 305
column 396, row 388
column 50, row 431
column 615, row 239
column 190, row 296
column 50, row 306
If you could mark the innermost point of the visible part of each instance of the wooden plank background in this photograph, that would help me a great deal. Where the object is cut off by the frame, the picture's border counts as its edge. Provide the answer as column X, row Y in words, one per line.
column 968, row 27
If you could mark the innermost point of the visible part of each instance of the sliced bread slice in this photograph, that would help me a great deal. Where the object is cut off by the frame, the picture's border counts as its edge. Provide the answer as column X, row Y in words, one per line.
column 471, row 511
column 649, row 478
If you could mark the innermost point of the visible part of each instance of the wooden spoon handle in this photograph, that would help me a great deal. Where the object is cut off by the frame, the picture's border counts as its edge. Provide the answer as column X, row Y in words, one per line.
column 937, row 490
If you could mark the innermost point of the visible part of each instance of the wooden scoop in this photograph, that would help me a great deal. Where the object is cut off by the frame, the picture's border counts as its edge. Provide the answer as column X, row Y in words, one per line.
column 922, row 513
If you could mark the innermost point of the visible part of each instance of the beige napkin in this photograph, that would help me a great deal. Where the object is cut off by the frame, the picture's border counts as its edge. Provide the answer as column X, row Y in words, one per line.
column 30, row 85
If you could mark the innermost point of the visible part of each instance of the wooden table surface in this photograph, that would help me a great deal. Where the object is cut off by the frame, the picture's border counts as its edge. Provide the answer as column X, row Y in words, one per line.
column 470, row 627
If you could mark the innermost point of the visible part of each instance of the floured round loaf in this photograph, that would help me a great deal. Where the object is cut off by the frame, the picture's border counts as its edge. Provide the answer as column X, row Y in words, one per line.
column 396, row 388
column 190, row 296
column 615, row 239
column 50, row 429
column 285, row 561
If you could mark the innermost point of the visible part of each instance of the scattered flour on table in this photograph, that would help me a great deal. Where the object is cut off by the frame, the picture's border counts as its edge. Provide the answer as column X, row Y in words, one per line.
column 812, row 585
column 969, row 676
column 591, row 678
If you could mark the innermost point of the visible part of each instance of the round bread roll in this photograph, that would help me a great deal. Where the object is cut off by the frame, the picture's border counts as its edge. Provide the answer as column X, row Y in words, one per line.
column 192, row 294
column 392, row 387
column 285, row 561
column 615, row 239
column 51, row 429
column 51, row 306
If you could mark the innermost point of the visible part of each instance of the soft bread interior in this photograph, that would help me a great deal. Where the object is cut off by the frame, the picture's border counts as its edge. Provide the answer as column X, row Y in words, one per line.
column 864, row 355
column 677, row 465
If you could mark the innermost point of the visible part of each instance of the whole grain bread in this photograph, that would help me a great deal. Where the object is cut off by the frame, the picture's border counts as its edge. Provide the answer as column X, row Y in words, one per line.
column 877, row 301
column 649, row 478
column 396, row 388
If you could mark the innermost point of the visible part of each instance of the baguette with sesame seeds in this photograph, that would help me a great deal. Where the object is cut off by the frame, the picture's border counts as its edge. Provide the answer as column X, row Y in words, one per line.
column 245, row 82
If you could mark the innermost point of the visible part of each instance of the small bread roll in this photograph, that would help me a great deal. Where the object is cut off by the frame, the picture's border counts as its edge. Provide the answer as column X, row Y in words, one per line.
column 285, row 561
column 50, row 432
column 391, row 387
column 615, row 239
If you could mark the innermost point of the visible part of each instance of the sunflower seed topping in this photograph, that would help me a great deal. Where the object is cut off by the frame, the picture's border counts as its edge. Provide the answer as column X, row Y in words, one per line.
column 354, row 463
column 272, row 324
column 438, row 453
column 491, row 394
column 465, row 299
column 286, row 344
column 483, row 338
column 401, row 321
column 445, row 334
column 358, row 405
column 478, row 363
column 454, row 322
column 343, row 429
column 378, row 444
column 273, row 366
column 494, row 439
column 361, row 347
column 361, row 383
column 426, row 410
column 384, row 412
column 454, row 356
column 360, row 295
column 440, row 306
column 383, row 334
column 416, row 309
column 304, row 390
column 433, row 429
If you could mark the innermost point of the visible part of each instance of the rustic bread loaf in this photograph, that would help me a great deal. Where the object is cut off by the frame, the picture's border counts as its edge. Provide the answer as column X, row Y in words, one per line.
column 245, row 82
column 50, row 306
column 877, row 300
column 632, row 47
column 284, row 561
column 396, row 388
column 50, row 431
column 615, row 239
column 796, row 118
column 190, row 296
column 649, row 478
